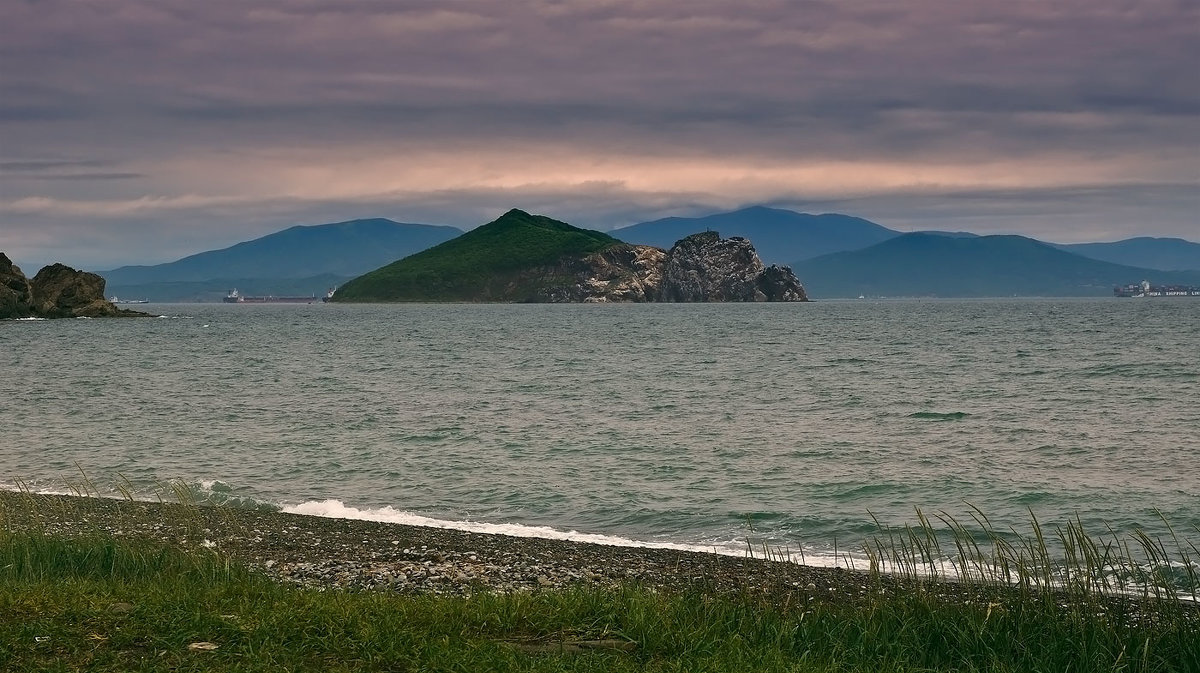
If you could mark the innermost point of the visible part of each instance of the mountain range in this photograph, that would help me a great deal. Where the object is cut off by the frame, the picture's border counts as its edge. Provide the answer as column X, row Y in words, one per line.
column 935, row 265
column 834, row 255
column 1166, row 254
column 300, row 260
column 780, row 236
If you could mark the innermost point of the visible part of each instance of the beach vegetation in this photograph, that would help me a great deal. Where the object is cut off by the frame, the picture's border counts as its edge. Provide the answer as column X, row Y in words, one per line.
column 101, row 602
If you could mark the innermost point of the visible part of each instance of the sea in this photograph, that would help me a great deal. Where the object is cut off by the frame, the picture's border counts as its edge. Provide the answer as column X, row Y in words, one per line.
column 809, row 429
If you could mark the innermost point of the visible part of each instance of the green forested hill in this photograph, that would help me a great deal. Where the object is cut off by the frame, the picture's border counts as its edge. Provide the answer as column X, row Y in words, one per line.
column 495, row 262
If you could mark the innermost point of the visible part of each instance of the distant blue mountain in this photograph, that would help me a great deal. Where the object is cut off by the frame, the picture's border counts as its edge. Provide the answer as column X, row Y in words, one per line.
column 1166, row 254
column 780, row 236
column 342, row 249
column 934, row 265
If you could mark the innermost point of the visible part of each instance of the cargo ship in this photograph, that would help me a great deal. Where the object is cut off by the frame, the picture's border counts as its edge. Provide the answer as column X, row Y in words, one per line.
column 235, row 297
column 115, row 300
column 1145, row 289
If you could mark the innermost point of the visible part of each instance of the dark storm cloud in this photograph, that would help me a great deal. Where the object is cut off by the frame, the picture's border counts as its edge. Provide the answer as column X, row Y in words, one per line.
column 187, row 106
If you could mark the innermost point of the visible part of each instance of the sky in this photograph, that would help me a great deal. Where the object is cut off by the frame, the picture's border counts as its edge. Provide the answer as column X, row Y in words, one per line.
column 144, row 131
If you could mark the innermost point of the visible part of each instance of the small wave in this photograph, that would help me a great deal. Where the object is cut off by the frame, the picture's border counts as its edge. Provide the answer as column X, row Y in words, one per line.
column 218, row 493
column 336, row 509
column 940, row 416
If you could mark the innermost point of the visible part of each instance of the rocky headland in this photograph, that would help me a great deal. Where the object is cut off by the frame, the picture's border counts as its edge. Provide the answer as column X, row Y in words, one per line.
column 57, row 291
column 699, row 268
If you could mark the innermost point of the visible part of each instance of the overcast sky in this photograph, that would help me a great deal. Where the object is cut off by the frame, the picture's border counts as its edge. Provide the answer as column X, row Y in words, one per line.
column 140, row 132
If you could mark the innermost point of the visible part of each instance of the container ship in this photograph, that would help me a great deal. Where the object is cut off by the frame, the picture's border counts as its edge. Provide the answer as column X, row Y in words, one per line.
column 235, row 297
column 1145, row 289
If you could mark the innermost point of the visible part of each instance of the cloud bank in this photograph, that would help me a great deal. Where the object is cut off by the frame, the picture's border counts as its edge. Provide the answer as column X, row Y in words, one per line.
column 143, row 131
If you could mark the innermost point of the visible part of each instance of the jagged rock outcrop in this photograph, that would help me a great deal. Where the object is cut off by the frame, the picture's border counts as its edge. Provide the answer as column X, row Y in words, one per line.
column 57, row 291
column 778, row 283
column 700, row 268
column 705, row 267
column 15, row 292
column 622, row 273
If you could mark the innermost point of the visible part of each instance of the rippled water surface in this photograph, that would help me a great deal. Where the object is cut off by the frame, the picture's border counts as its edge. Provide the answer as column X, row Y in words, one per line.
column 698, row 424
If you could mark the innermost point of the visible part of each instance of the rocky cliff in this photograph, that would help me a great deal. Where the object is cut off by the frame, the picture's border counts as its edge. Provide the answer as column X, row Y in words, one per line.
column 700, row 268
column 705, row 267
column 57, row 291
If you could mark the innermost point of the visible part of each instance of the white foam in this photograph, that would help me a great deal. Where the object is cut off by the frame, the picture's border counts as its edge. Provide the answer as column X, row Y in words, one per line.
column 336, row 509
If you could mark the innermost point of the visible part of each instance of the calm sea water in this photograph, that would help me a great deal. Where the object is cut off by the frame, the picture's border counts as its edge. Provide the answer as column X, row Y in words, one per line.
column 690, row 424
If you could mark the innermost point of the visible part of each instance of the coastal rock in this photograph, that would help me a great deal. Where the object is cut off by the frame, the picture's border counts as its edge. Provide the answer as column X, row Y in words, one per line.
column 700, row 268
column 704, row 267
column 622, row 273
column 57, row 291
column 778, row 283
column 62, row 292
column 15, row 293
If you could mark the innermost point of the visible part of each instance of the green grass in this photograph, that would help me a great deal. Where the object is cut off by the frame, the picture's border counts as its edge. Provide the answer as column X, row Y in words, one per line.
column 499, row 261
column 103, row 604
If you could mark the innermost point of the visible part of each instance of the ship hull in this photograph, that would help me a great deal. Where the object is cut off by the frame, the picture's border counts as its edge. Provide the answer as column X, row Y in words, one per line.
column 1148, row 290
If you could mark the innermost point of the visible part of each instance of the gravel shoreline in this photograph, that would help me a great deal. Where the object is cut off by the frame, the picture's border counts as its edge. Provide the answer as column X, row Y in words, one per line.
column 351, row 554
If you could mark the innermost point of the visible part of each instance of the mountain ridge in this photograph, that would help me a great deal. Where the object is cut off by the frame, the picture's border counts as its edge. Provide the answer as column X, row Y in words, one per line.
column 346, row 249
column 780, row 236
column 929, row 265
column 1160, row 253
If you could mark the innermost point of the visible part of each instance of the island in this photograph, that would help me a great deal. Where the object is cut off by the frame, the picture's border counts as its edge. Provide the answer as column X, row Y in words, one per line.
column 522, row 258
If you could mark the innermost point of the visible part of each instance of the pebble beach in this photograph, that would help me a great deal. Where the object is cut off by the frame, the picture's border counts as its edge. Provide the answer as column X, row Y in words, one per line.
column 321, row 552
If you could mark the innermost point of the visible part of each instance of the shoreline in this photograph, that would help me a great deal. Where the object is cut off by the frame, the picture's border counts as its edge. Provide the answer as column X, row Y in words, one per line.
column 322, row 552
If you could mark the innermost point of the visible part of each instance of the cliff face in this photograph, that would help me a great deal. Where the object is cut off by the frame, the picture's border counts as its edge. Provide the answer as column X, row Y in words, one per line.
column 622, row 273
column 705, row 267
column 57, row 291
column 700, row 268
column 15, row 293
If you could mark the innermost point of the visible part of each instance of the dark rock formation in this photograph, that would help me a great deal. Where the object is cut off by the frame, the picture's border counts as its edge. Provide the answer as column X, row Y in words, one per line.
column 705, row 267
column 700, row 268
column 778, row 283
column 15, row 292
column 57, row 291
column 622, row 273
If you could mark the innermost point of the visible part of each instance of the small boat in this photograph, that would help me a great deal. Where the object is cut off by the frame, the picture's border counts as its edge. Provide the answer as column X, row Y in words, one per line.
column 114, row 300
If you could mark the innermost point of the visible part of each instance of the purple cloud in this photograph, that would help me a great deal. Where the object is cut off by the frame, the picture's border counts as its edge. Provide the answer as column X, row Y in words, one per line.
column 224, row 109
